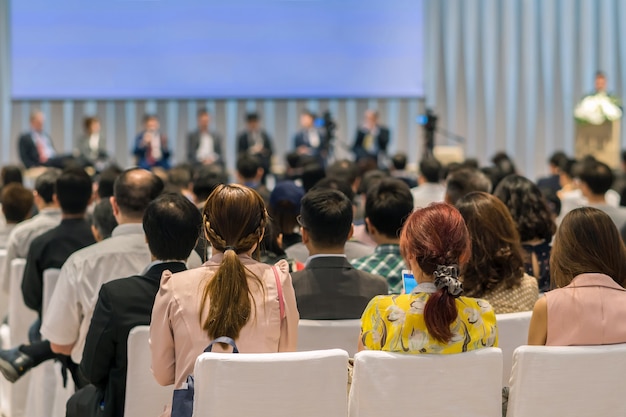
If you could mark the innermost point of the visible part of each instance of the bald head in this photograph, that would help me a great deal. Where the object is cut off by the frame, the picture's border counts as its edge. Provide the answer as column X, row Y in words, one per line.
column 133, row 190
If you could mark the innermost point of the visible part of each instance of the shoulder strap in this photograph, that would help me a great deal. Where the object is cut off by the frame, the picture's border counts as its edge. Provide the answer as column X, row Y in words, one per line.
column 223, row 339
column 279, row 288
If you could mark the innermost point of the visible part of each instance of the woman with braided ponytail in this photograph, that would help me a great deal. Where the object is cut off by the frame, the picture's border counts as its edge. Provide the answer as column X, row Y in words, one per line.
column 434, row 317
column 230, row 295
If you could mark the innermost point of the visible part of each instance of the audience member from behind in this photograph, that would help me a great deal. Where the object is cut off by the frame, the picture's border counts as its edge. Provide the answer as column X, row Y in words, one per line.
column 596, row 179
column 552, row 181
column 354, row 248
column 429, row 188
column 50, row 251
column 11, row 174
column 49, row 216
column 172, row 225
column 398, row 170
column 230, row 295
column 534, row 223
column 588, row 268
column 389, row 203
column 125, row 253
column 103, row 220
column 434, row 317
column 271, row 249
column 495, row 270
column 151, row 147
column 179, row 180
column 329, row 287
column 464, row 181
column 106, row 180
column 284, row 208
column 250, row 173
column 17, row 206
column 204, row 146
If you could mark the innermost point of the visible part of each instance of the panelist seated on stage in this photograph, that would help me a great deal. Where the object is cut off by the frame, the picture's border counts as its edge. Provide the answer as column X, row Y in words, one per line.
column 204, row 146
column 255, row 141
column 35, row 146
column 310, row 140
column 91, row 145
column 371, row 139
column 151, row 148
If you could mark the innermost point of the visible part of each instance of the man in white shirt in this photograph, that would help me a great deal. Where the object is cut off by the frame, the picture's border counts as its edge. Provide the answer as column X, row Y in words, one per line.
column 24, row 233
column 429, row 189
column 204, row 146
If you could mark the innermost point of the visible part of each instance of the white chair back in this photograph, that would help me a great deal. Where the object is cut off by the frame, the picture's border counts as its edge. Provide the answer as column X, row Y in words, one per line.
column 46, row 384
column 144, row 396
column 20, row 320
column 4, row 285
column 303, row 384
column 573, row 381
column 394, row 384
column 50, row 279
column 329, row 334
column 512, row 333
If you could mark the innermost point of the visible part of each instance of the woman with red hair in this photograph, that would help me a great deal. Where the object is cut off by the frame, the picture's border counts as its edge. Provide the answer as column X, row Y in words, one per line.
column 434, row 317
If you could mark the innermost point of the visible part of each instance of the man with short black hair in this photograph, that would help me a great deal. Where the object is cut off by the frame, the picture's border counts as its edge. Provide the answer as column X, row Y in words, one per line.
column 464, row 181
column 17, row 206
column 24, row 233
column 250, row 173
column 329, row 287
column 596, row 179
column 429, row 189
column 73, row 193
column 103, row 220
column 172, row 225
column 125, row 253
column 389, row 203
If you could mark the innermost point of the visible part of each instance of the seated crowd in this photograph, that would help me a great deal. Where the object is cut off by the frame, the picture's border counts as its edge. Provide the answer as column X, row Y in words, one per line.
column 197, row 258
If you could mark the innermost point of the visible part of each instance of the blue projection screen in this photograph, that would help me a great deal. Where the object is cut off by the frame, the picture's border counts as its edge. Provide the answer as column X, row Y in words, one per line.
column 216, row 48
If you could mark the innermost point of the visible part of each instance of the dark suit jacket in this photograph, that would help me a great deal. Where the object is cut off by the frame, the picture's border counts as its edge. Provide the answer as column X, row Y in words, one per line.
column 329, row 288
column 28, row 150
column 193, row 142
column 302, row 139
column 141, row 149
column 51, row 250
column 381, row 139
column 122, row 305
column 244, row 142
column 552, row 183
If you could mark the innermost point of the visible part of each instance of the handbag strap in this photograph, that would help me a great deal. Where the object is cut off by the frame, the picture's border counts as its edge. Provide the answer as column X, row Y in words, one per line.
column 279, row 288
column 222, row 339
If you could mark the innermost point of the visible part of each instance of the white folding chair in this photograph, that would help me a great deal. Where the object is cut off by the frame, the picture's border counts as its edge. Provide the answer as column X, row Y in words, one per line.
column 144, row 396
column 512, row 333
column 20, row 320
column 393, row 384
column 572, row 381
column 329, row 334
column 303, row 384
column 46, row 383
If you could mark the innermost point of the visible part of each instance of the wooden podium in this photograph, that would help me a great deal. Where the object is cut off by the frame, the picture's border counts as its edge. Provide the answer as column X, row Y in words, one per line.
column 601, row 141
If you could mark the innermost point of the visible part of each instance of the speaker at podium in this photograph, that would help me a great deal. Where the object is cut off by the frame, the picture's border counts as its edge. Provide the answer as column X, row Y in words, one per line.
column 601, row 141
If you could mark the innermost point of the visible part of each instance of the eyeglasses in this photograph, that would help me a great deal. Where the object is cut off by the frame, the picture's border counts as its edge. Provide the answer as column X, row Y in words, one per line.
column 299, row 220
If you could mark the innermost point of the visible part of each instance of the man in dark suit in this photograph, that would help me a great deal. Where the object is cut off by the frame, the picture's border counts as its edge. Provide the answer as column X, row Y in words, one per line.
column 330, row 287
column 371, row 140
column 50, row 250
column 256, row 142
column 204, row 147
column 151, row 147
column 310, row 141
column 35, row 146
column 172, row 224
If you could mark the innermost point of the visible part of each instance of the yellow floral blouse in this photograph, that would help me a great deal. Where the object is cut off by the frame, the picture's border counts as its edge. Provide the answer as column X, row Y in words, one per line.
column 395, row 323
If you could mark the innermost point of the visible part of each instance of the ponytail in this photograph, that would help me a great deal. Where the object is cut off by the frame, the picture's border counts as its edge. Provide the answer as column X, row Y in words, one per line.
column 440, row 310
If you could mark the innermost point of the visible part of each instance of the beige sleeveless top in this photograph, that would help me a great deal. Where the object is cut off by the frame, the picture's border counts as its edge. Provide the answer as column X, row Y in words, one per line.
column 591, row 310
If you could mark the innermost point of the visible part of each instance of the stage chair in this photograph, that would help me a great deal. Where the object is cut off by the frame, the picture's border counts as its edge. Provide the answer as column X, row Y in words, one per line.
column 144, row 396
column 573, row 381
column 512, row 333
column 329, row 334
column 394, row 384
column 302, row 384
